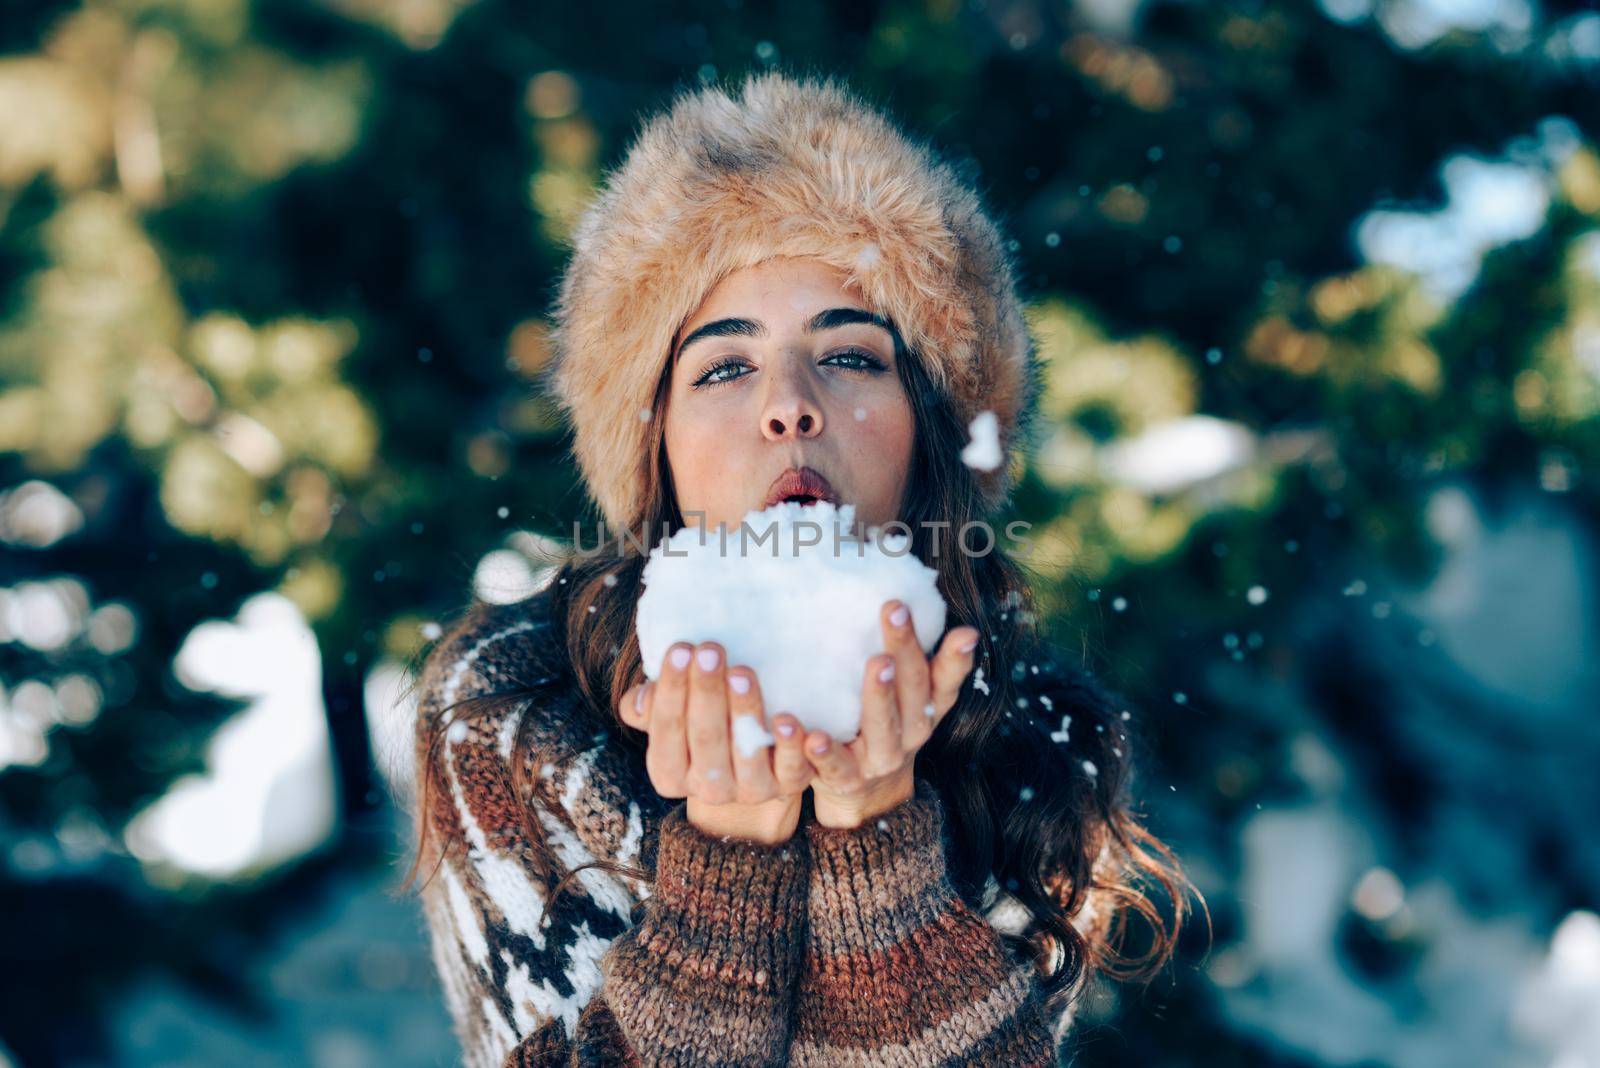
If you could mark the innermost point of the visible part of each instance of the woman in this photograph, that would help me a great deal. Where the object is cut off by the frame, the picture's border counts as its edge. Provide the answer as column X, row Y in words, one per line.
column 777, row 283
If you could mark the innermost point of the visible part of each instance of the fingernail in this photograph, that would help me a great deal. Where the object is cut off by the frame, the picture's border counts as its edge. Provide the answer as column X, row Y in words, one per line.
column 786, row 729
column 970, row 644
column 707, row 659
column 739, row 683
column 887, row 673
column 819, row 746
column 899, row 616
column 679, row 657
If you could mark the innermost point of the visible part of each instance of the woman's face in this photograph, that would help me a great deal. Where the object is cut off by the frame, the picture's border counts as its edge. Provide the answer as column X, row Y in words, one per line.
column 782, row 367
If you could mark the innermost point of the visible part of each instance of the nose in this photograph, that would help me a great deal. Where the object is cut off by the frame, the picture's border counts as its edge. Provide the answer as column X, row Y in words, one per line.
column 789, row 408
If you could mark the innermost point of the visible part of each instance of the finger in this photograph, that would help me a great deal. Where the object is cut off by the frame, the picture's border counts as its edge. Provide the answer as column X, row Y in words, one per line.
column 952, row 663
column 710, row 768
column 879, row 741
column 667, row 755
column 910, row 662
column 752, row 769
column 634, row 707
column 789, row 764
column 836, row 766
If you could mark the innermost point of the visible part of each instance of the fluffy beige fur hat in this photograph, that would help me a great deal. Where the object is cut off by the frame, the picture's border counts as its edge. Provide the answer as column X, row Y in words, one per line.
column 790, row 166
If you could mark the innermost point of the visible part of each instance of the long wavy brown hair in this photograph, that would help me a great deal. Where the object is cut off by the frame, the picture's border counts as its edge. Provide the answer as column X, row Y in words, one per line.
column 1053, row 823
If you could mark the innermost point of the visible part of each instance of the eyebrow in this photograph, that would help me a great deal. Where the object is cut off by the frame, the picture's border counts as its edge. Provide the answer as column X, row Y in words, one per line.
column 823, row 320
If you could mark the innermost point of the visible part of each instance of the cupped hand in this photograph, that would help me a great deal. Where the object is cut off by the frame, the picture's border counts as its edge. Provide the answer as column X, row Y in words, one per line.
column 688, row 712
column 904, row 697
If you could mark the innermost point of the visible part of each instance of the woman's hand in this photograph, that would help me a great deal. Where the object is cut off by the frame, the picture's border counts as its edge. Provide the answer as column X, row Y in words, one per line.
column 904, row 696
column 688, row 712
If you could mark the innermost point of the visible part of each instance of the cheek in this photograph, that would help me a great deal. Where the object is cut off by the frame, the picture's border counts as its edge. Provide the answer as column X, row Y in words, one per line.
column 709, row 461
column 690, row 438
column 882, row 420
column 885, row 430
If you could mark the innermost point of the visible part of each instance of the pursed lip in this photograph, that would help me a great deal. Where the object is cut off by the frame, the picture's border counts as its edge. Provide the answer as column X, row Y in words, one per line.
column 801, row 481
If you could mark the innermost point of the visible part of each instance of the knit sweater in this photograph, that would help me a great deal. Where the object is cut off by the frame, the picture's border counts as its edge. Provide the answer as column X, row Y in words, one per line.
column 846, row 947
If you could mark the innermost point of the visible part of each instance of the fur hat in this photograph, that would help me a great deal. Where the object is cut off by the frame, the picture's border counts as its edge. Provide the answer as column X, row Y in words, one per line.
column 790, row 166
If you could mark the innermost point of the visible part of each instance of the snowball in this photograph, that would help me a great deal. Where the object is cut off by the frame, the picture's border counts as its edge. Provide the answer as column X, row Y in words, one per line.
column 796, row 595
column 983, row 447
column 749, row 735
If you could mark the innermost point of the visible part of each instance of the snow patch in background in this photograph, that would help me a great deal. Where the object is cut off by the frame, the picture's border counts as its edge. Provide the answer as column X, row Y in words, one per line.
column 1488, row 203
column 390, row 700
column 36, row 515
column 1475, row 974
column 1287, row 980
column 1177, row 454
column 1559, row 1008
column 1414, row 24
column 268, row 793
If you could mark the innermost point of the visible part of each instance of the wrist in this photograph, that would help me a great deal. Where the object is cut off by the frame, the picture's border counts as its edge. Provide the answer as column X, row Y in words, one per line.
column 766, row 822
column 841, row 811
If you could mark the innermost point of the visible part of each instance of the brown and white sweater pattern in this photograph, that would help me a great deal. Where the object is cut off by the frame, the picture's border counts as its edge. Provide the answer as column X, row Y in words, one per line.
column 839, row 947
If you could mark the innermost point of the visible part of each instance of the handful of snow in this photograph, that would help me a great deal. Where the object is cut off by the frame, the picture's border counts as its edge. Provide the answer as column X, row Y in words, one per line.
column 796, row 596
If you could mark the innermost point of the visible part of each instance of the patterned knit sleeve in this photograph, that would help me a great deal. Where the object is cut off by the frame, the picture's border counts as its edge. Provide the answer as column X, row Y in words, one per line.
column 709, row 975
column 897, row 969
column 611, row 971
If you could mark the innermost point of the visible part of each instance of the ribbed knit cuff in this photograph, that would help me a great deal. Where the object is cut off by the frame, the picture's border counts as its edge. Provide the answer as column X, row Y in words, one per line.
column 707, row 976
column 731, row 890
column 879, row 880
